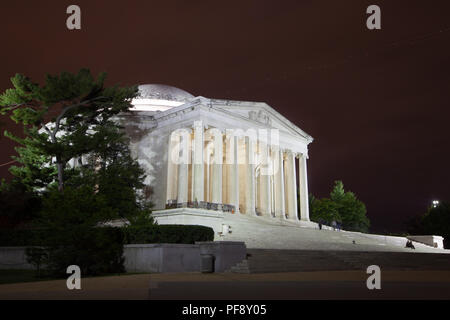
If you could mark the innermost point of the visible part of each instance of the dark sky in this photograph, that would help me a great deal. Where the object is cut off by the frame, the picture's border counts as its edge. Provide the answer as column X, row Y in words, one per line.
column 376, row 102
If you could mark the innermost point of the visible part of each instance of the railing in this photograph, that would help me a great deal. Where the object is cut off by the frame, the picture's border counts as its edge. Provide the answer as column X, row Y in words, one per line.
column 173, row 204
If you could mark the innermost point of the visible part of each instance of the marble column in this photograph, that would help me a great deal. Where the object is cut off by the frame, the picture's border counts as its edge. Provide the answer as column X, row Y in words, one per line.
column 198, row 174
column 172, row 167
column 235, row 174
column 279, row 184
column 208, row 154
column 182, row 196
column 303, row 184
column 217, row 167
column 291, row 186
column 264, row 185
column 250, row 161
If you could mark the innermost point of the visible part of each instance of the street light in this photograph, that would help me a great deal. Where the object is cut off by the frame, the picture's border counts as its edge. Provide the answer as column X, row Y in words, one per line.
column 435, row 203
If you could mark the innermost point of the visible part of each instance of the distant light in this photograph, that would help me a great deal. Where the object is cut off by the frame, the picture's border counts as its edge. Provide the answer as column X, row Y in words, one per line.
column 435, row 203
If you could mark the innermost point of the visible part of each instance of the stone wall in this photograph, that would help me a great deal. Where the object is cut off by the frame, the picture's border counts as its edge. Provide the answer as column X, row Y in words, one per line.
column 162, row 258
column 154, row 257
column 432, row 241
column 14, row 258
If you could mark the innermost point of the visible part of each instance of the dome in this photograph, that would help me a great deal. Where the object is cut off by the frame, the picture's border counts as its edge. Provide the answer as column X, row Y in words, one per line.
column 163, row 92
column 159, row 97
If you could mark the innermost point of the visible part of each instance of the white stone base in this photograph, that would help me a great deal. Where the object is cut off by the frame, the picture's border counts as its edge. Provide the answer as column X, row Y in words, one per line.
column 190, row 216
column 432, row 241
column 267, row 232
column 262, row 232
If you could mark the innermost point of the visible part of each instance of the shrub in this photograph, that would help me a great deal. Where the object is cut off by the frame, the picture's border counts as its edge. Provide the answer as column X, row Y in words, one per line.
column 20, row 237
column 95, row 250
column 71, row 235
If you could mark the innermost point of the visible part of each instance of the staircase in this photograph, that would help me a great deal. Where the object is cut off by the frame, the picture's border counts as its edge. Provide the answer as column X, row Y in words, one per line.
column 272, row 260
column 241, row 267
column 275, row 233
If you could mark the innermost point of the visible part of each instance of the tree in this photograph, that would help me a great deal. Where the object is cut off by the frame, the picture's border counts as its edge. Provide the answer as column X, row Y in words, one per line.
column 351, row 210
column 78, row 106
column 341, row 207
column 338, row 192
column 72, row 231
column 112, row 172
column 436, row 221
column 324, row 209
column 71, row 117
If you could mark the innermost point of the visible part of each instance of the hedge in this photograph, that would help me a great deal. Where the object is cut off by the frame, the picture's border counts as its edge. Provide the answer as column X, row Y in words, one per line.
column 19, row 237
column 187, row 234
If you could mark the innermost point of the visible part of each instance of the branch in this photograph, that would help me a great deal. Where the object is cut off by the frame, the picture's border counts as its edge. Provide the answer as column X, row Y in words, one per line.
column 52, row 135
column 58, row 119
column 12, row 107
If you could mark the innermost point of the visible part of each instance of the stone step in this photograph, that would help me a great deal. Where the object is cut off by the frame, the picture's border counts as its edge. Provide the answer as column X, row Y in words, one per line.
column 241, row 267
column 269, row 260
column 263, row 232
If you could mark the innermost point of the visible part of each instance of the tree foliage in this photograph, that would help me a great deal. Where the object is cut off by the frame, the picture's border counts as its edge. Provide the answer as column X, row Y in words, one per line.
column 351, row 210
column 324, row 210
column 341, row 207
column 436, row 221
column 62, row 119
column 71, row 119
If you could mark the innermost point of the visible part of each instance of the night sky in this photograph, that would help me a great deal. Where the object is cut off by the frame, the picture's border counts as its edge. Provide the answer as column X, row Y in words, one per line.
column 375, row 101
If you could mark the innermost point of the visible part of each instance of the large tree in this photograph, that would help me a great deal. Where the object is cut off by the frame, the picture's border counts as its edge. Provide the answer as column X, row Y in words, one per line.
column 341, row 207
column 71, row 117
column 351, row 210
column 62, row 119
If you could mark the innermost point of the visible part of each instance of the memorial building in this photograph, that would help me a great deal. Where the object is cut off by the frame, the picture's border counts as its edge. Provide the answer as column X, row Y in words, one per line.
column 206, row 159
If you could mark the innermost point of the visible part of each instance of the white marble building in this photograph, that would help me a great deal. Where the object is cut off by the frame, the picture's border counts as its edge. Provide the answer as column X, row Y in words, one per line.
column 209, row 160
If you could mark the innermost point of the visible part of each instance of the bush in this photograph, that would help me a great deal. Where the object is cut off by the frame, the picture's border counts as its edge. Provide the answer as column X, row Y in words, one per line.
column 96, row 251
column 71, row 233
column 167, row 234
column 20, row 237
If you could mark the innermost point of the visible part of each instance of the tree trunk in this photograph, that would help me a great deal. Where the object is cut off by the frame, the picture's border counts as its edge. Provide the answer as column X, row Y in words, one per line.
column 59, row 165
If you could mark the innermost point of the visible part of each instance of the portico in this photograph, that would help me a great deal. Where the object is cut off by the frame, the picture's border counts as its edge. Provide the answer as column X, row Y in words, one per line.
column 236, row 171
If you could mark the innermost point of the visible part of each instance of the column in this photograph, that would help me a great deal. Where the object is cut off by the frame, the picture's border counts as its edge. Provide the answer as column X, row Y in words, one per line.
column 250, row 161
column 182, row 196
column 199, row 189
column 208, row 155
column 291, row 186
column 235, row 174
column 265, row 179
column 173, row 156
column 217, row 167
column 303, row 184
column 279, row 184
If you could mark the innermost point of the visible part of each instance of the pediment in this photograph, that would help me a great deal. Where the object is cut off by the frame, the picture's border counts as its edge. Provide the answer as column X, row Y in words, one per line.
column 263, row 114
column 249, row 113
